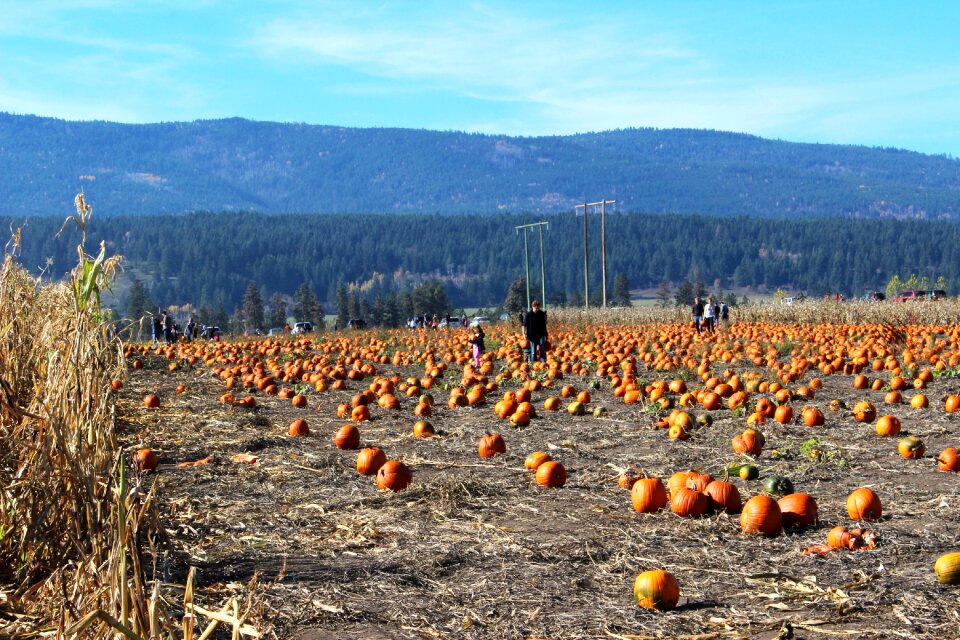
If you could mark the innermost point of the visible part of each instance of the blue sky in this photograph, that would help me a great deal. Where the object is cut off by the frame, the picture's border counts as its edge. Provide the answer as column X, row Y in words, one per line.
column 873, row 73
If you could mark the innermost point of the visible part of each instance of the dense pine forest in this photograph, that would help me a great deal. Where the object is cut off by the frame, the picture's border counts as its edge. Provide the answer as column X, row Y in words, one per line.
column 235, row 164
column 207, row 258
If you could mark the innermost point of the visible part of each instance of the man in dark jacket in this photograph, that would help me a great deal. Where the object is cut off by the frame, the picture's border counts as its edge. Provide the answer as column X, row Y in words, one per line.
column 535, row 331
column 697, row 310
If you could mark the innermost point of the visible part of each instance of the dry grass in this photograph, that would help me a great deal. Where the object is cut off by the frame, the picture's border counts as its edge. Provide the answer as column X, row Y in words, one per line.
column 809, row 312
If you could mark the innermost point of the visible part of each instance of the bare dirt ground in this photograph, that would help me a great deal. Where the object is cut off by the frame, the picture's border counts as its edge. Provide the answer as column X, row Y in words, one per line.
column 476, row 549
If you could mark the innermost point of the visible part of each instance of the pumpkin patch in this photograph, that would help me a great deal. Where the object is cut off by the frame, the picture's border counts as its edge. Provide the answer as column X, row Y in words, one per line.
column 639, row 442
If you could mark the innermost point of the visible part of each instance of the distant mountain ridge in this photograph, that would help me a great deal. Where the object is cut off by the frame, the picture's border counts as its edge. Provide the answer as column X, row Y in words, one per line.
column 241, row 165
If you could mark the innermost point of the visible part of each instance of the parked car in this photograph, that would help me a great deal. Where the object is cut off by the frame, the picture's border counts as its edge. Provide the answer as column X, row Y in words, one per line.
column 938, row 294
column 479, row 320
column 877, row 296
column 356, row 323
column 911, row 294
column 303, row 327
column 211, row 333
column 453, row 323
column 276, row 331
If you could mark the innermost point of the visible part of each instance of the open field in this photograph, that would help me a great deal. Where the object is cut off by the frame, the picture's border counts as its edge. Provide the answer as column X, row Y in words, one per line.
column 474, row 548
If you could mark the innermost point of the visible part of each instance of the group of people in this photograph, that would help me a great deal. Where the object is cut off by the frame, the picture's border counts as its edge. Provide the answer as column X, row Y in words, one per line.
column 166, row 329
column 709, row 316
column 424, row 322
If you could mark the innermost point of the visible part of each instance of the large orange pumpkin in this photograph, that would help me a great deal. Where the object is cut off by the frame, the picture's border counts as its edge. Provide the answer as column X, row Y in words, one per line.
column 394, row 475
column 863, row 504
column 656, row 589
column 145, row 460
column 723, row 496
column 761, row 514
column 689, row 503
column 490, row 445
column 648, row 495
column 949, row 460
column 551, row 474
column 798, row 510
column 347, row 437
column 370, row 460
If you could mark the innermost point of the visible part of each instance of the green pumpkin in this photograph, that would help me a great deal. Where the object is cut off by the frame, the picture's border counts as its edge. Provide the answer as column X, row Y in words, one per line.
column 778, row 485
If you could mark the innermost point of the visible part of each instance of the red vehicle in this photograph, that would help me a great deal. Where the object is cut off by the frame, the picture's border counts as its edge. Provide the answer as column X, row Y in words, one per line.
column 911, row 294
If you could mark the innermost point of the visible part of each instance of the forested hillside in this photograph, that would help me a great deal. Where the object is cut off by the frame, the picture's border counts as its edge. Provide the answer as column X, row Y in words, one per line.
column 202, row 257
column 233, row 165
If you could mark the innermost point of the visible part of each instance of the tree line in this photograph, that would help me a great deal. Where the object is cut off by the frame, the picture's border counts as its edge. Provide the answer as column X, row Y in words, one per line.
column 209, row 260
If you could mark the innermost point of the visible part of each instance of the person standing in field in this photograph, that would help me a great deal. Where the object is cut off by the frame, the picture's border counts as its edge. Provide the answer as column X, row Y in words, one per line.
column 697, row 310
column 477, row 341
column 157, row 326
column 709, row 315
column 724, row 314
column 535, row 331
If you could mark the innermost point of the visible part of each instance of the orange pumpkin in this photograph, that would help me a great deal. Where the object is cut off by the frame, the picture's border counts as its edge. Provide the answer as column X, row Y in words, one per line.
column 798, row 510
column 783, row 414
column 551, row 474
column 689, row 503
column 423, row 429
column 723, row 496
column 151, row 401
column 864, row 411
column 145, row 460
column 749, row 442
column 812, row 417
column 370, row 460
column 648, row 495
column 656, row 589
column 298, row 428
column 951, row 403
column 911, row 447
column 888, row 426
column 394, row 475
column 535, row 459
column 347, row 437
column 949, row 460
column 491, row 444
column 761, row 514
column 863, row 504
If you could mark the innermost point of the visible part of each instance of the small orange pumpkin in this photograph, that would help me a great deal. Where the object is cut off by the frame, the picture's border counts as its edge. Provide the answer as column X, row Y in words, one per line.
column 535, row 459
column 888, row 426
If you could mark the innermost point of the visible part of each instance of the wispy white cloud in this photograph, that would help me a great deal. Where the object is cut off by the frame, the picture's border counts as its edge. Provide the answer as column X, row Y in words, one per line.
column 615, row 68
